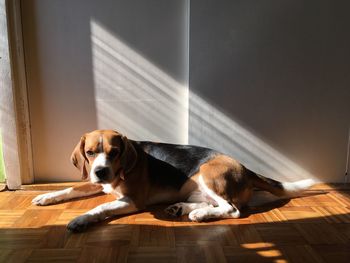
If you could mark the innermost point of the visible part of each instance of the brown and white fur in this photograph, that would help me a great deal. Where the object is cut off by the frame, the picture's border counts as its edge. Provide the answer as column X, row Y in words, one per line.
column 201, row 182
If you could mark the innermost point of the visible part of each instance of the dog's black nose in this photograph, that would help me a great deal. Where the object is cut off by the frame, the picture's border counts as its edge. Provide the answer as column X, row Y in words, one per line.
column 101, row 172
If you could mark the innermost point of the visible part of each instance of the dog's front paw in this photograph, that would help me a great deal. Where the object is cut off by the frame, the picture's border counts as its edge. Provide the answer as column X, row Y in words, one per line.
column 78, row 224
column 45, row 199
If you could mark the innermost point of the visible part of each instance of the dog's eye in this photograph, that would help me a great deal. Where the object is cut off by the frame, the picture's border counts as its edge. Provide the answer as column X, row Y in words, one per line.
column 90, row 153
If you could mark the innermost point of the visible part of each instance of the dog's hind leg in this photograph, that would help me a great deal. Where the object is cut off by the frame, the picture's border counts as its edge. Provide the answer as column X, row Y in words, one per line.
column 202, row 214
column 223, row 208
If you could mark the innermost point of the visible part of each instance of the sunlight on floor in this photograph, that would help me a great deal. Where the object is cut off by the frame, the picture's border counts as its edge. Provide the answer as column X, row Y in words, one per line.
column 288, row 232
column 267, row 250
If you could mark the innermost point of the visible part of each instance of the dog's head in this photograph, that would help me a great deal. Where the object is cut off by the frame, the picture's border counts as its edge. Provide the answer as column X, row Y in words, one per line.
column 103, row 155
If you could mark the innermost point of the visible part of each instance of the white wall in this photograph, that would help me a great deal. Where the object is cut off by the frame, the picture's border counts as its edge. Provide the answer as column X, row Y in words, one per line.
column 268, row 79
column 269, row 84
column 103, row 64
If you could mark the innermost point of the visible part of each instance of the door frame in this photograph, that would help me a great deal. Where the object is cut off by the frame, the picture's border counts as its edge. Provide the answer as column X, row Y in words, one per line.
column 14, row 116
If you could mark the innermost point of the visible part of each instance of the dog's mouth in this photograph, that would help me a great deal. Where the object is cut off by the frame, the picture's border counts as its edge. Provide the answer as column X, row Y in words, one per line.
column 106, row 178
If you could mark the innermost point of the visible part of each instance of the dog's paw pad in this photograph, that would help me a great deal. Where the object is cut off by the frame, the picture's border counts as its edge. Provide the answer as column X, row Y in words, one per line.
column 174, row 210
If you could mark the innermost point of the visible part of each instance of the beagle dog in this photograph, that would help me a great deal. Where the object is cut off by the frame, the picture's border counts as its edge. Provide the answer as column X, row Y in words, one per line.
column 200, row 182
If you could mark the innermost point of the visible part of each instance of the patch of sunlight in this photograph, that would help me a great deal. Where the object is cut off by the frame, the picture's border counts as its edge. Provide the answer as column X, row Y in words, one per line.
column 133, row 95
column 257, row 245
column 137, row 98
column 267, row 250
column 212, row 128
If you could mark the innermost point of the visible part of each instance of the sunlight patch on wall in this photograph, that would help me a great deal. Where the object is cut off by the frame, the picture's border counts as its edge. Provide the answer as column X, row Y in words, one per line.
column 212, row 128
column 137, row 98
column 134, row 96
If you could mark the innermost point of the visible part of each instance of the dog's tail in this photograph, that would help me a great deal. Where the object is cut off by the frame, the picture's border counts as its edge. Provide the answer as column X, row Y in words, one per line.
column 278, row 188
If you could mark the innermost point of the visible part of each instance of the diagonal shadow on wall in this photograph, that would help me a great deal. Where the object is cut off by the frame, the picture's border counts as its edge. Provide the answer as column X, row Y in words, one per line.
column 138, row 98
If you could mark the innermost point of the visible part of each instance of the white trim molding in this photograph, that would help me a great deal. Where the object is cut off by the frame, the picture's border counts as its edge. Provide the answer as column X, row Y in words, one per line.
column 14, row 111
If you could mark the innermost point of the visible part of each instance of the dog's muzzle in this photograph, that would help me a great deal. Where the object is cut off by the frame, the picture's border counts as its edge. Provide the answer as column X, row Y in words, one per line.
column 102, row 172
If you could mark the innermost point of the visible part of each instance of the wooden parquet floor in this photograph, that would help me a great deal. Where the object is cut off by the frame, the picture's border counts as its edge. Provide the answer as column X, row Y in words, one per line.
column 314, row 228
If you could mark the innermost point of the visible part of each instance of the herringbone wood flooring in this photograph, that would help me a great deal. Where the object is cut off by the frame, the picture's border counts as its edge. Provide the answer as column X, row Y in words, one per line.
column 315, row 228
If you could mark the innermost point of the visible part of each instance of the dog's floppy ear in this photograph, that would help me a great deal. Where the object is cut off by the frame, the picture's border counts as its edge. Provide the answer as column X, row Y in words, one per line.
column 78, row 158
column 128, row 157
